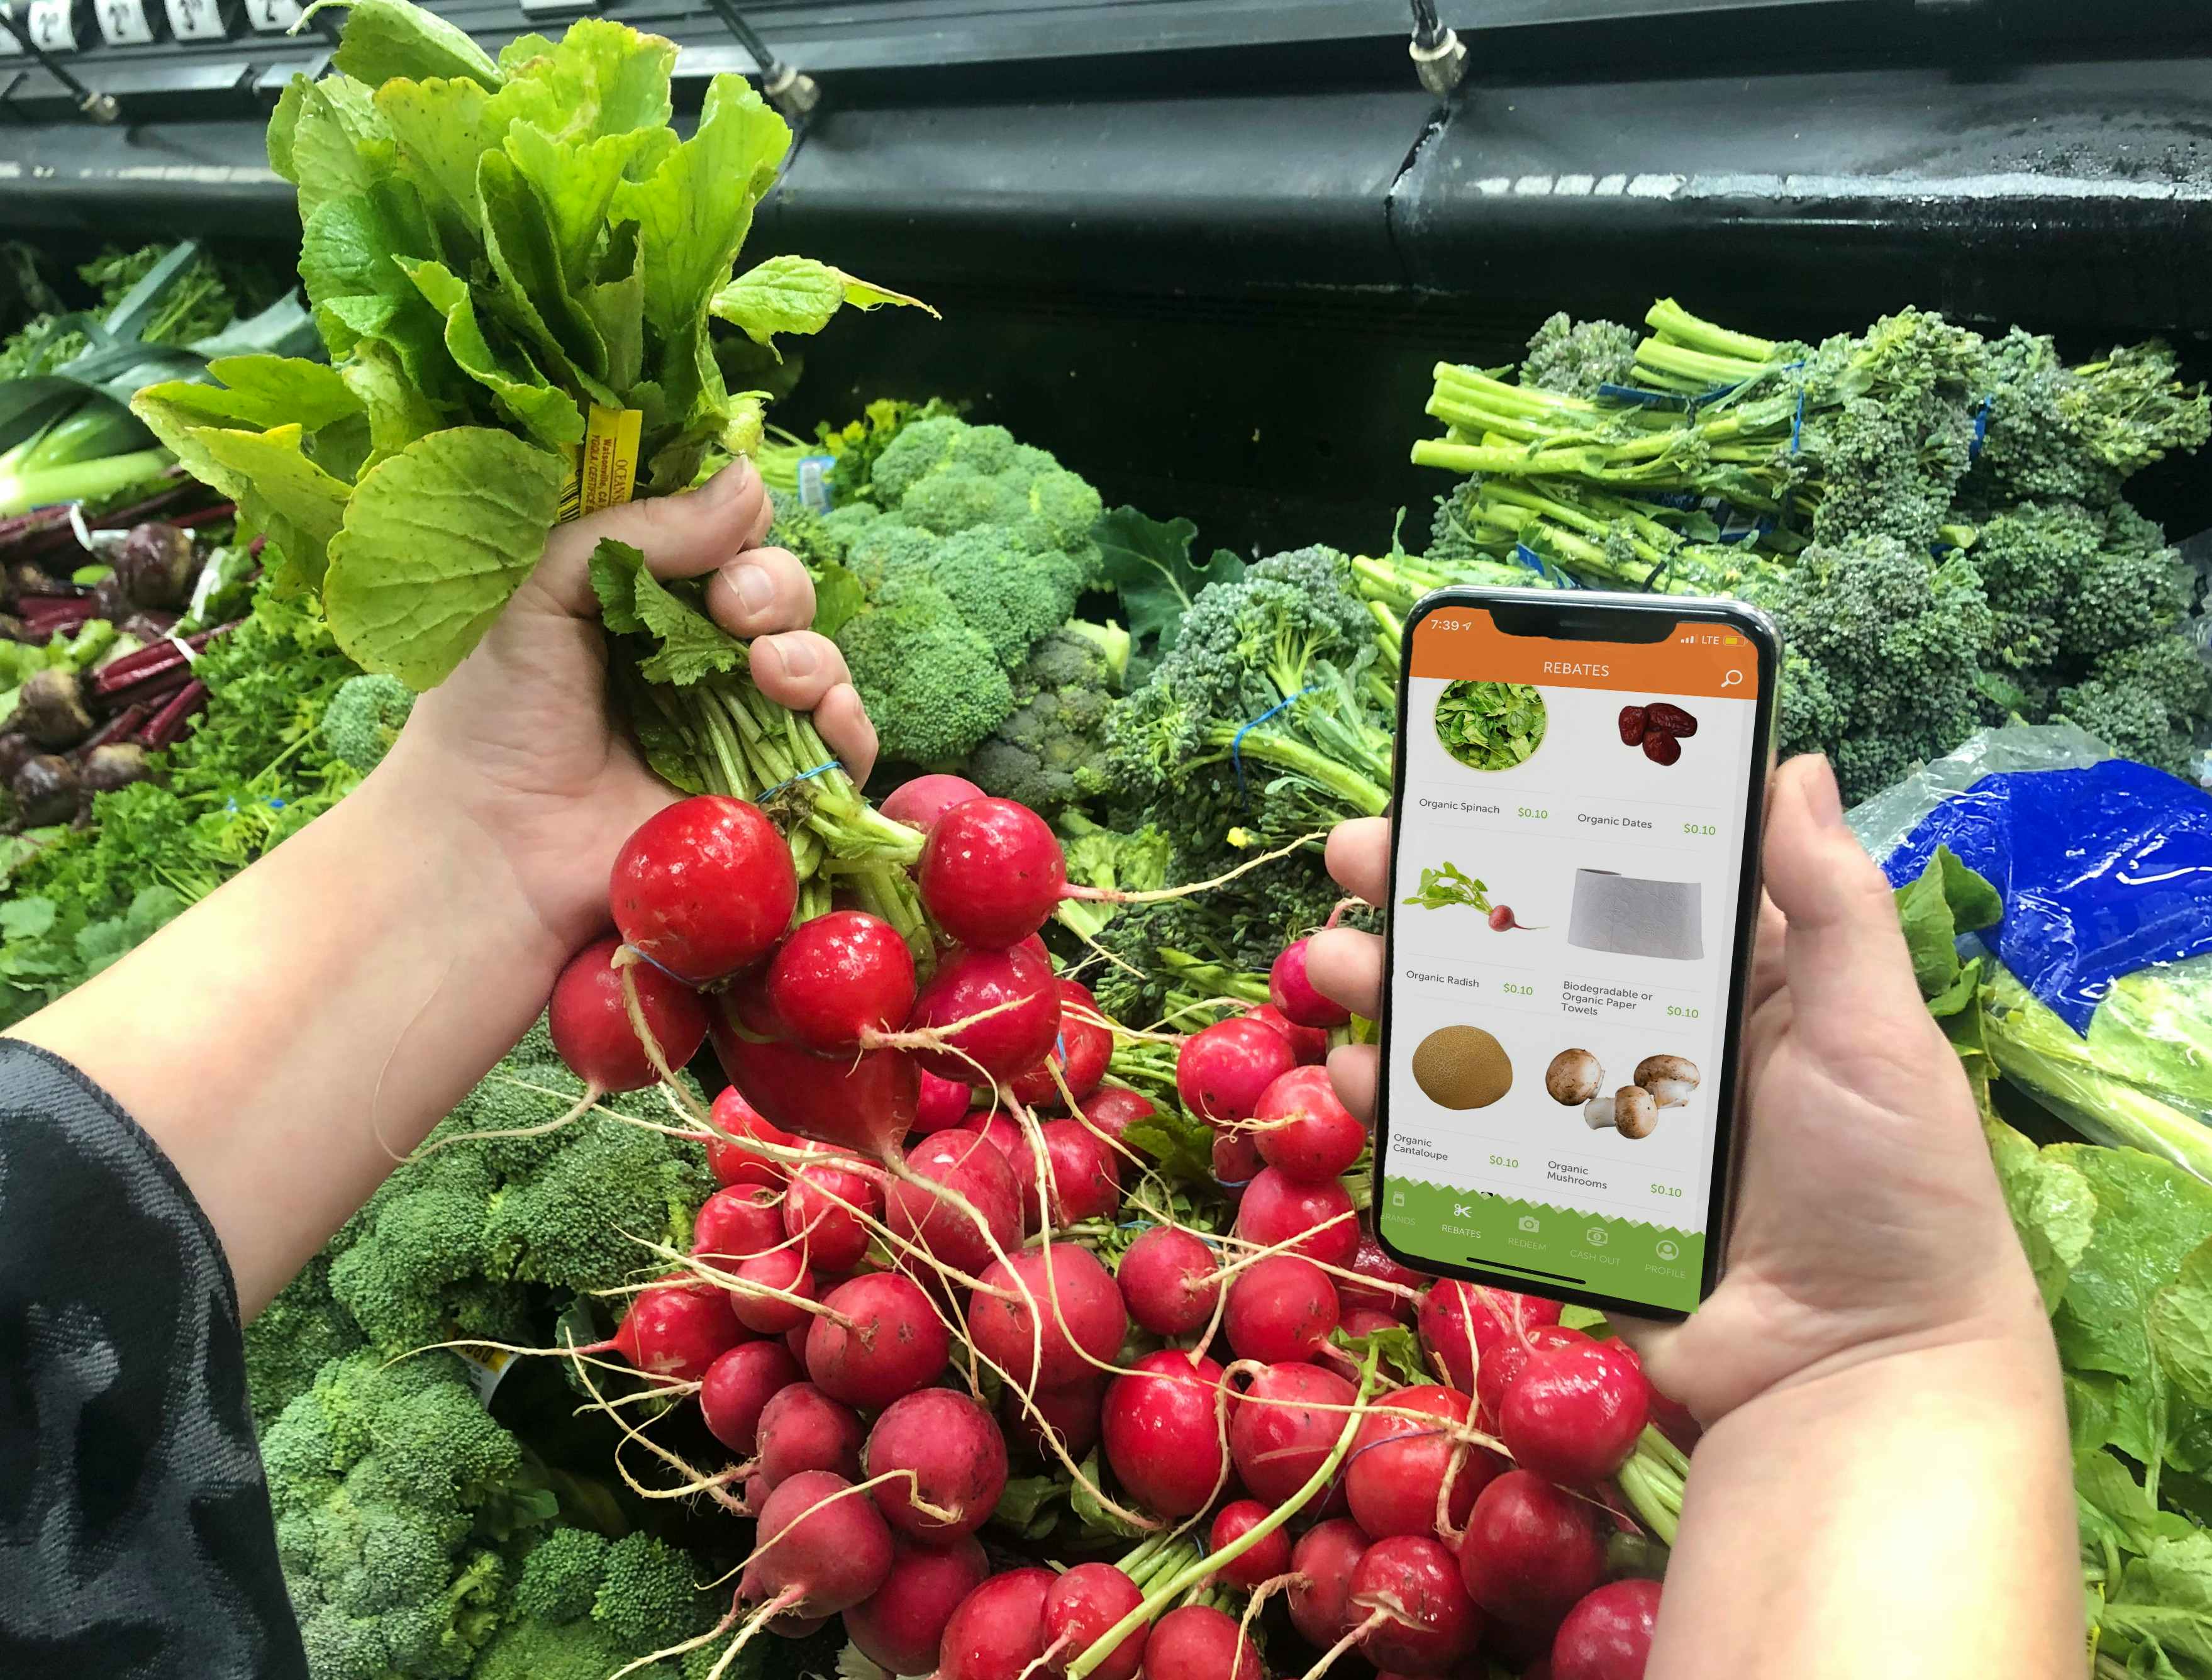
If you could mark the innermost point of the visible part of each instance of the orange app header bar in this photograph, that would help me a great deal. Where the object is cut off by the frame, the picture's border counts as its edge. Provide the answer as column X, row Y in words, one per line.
column 1462, row 643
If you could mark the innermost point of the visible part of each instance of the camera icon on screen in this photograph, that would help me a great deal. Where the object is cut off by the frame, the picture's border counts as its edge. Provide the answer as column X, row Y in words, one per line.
column 1528, row 1221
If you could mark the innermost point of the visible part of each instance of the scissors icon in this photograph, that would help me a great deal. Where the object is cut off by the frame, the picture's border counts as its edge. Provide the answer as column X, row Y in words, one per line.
column 1734, row 680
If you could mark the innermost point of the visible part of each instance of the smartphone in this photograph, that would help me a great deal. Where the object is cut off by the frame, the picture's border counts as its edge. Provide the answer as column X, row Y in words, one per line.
column 1573, row 888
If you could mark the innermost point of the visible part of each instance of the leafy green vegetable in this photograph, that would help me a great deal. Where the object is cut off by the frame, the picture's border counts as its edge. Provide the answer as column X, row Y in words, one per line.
column 1491, row 726
column 1446, row 885
column 1150, row 566
column 493, row 252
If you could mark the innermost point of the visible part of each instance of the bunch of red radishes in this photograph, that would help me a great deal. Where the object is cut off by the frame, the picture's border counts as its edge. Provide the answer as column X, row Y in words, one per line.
column 904, row 1158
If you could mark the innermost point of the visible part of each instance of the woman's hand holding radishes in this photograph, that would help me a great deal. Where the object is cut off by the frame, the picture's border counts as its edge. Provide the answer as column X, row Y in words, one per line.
column 1877, row 1317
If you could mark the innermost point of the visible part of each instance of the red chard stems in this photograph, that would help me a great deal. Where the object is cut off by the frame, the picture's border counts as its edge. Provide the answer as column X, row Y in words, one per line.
column 121, row 726
column 168, row 724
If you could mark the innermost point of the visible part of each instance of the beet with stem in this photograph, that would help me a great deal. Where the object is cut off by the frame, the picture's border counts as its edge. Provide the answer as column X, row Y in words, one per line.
column 45, row 790
column 51, row 708
column 112, row 766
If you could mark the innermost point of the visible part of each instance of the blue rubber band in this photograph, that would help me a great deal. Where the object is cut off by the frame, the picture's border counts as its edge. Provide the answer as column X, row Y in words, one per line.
column 681, row 980
column 1237, row 745
column 1981, row 428
column 803, row 776
column 1550, row 570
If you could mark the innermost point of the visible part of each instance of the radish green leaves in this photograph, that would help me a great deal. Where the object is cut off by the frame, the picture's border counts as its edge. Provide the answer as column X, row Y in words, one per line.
column 504, row 258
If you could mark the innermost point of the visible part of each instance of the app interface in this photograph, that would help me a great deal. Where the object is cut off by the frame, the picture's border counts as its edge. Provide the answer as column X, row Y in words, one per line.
column 1562, row 921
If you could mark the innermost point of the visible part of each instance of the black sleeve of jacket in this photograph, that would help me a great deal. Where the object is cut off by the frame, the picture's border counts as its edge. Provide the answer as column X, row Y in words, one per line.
column 135, row 1540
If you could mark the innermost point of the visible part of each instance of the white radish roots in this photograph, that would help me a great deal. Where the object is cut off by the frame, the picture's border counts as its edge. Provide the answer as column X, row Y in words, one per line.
column 1359, row 1631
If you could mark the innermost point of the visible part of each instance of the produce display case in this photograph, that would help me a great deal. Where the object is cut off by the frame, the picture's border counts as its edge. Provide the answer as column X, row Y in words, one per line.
column 1159, row 230
column 1209, row 255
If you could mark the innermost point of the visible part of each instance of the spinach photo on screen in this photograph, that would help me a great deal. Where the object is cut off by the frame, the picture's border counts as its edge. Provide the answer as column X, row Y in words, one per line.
column 1489, row 726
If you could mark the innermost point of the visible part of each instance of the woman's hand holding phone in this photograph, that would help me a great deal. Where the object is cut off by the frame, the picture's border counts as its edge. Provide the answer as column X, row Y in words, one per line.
column 1875, row 1370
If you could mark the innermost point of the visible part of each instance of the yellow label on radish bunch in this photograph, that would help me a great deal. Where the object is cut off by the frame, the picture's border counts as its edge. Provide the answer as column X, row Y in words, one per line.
column 603, row 470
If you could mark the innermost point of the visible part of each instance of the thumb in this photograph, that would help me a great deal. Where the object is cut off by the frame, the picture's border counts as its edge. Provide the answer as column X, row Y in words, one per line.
column 1849, row 973
column 680, row 536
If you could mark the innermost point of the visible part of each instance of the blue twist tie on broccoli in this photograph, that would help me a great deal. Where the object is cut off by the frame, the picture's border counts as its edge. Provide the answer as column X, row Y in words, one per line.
column 1981, row 428
column 1237, row 744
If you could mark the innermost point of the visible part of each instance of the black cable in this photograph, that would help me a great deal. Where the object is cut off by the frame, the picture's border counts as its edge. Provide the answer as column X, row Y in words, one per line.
column 1428, row 28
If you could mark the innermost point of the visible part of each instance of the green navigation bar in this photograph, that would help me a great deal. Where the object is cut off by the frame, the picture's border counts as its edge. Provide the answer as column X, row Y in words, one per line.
column 1567, row 1247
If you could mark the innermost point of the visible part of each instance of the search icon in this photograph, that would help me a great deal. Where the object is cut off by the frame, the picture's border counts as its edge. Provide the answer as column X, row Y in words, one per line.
column 1733, row 680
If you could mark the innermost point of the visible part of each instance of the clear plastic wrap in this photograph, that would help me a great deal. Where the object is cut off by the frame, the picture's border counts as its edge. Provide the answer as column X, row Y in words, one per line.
column 2106, row 868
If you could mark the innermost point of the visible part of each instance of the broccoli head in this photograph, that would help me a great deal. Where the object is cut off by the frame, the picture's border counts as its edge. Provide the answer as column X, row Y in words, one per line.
column 1050, row 753
column 1886, row 642
column 364, row 718
column 454, row 1241
column 1009, row 592
column 947, row 476
column 2077, row 433
column 294, row 1336
column 931, row 684
column 394, row 1494
column 1574, row 357
column 2147, row 702
column 584, row 1608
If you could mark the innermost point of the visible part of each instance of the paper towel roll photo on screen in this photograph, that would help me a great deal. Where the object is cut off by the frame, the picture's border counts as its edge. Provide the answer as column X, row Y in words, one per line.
column 1637, row 918
column 1573, row 874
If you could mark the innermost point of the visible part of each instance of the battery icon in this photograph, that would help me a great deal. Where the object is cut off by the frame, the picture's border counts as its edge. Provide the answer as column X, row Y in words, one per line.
column 1729, row 641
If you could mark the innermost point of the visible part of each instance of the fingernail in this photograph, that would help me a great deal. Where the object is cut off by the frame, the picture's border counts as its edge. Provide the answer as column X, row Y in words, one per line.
column 798, row 659
column 728, row 482
column 1822, row 799
column 755, row 590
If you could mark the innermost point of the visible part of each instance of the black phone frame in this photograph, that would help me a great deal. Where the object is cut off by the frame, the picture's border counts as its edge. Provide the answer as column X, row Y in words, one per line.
column 1569, row 608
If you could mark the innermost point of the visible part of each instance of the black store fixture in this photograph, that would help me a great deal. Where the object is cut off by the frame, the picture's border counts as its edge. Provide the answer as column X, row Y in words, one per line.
column 1207, row 249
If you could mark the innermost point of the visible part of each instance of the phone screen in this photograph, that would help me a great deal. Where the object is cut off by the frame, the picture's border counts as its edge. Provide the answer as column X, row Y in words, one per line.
column 1567, row 881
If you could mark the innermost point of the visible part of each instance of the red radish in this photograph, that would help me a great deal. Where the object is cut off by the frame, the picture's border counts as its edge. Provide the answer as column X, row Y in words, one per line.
column 1264, row 1561
column 1398, row 1465
column 1084, row 1605
column 1303, row 1131
column 1198, row 1642
column 1607, row 1636
column 956, row 1461
column 839, row 978
column 1112, row 1108
column 998, row 1631
column 821, row 1547
column 992, row 1013
column 798, row 1626
column 1506, row 1362
column 1532, row 1550
column 997, row 1127
column 1502, row 922
column 734, row 1225
column 781, row 1269
column 965, row 1163
column 802, row 1428
column 675, row 1330
column 1081, row 1053
column 1277, row 1209
column 1159, row 1427
column 591, row 1027
column 1308, row 1043
column 1460, row 1322
column 1082, row 1181
column 704, row 888
column 1236, row 1162
column 1369, row 1260
column 1365, row 1320
column 1574, row 1413
column 943, row 1103
column 896, row 1342
column 795, row 1343
column 823, row 1215
column 1321, row 1598
column 898, row 1627
column 863, row 1105
column 991, row 872
column 1428, row 1622
column 1074, row 1298
column 732, row 1163
column 1290, row 991
column 1280, row 1309
column 921, row 801
column 1167, row 1279
column 739, row 1386
column 1221, row 1071
column 1283, row 1426
column 1071, row 1412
